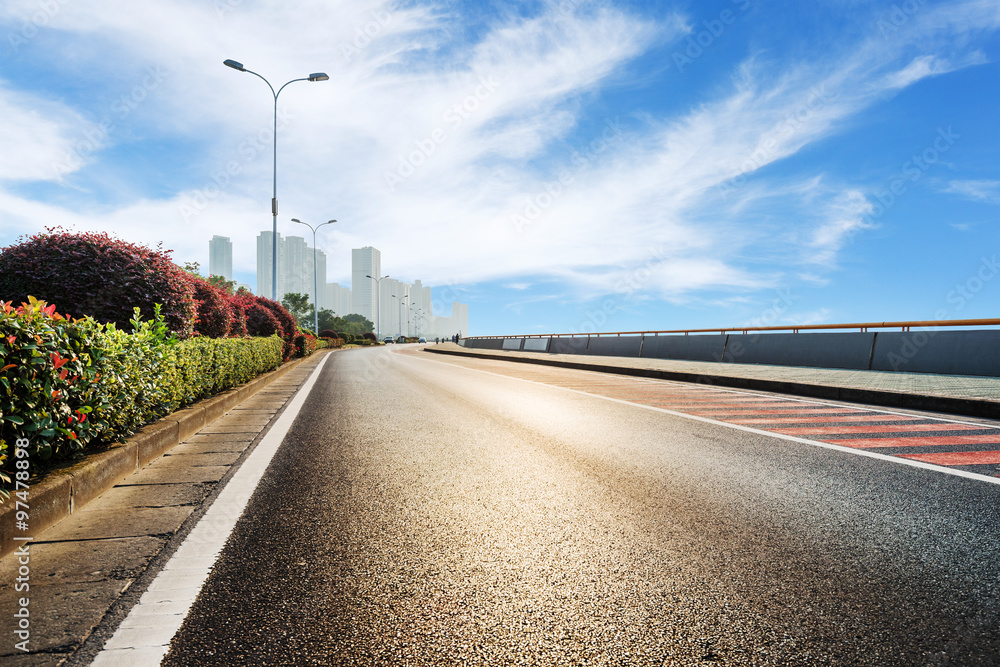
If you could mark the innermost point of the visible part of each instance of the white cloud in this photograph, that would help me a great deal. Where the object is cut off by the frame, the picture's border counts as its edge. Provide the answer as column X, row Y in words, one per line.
column 981, row 190
column 493, row 123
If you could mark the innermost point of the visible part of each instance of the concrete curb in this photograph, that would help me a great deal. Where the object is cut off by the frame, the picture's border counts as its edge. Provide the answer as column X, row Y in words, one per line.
column 64, row 490
column 969, row 407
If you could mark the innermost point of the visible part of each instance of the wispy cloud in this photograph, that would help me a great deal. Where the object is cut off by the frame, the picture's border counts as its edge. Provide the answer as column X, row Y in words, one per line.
column 980, row 190
column 436, row 131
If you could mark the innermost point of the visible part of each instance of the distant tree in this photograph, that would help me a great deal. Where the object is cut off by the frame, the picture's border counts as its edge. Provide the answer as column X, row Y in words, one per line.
column 300, row 308
column 327, row 320
column 220, row 282
column 193, row 268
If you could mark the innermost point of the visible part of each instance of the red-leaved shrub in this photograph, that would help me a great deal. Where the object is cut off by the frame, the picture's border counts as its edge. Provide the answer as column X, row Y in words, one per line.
column 215, row 318
column 94, row 274
column 238, row 326
column 287, row 321
column 262, row 322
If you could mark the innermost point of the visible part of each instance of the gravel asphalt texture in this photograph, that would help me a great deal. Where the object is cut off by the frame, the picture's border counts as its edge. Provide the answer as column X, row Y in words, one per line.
column 419, row 513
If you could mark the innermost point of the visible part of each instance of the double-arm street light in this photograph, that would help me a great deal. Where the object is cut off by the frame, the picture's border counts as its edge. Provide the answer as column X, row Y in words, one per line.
column 378, row 306
column 317, row 76
column 315, row 278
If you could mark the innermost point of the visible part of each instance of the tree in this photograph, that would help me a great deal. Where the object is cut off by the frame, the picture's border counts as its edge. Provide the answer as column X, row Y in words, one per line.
column 220, row 282
column 328, row 320
column 300, row 308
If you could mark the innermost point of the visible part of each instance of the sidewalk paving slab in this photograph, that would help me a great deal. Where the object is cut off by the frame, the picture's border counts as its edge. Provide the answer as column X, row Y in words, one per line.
column 82, row 565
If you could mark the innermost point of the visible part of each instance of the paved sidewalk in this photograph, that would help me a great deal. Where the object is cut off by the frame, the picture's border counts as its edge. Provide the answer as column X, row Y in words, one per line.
column 955, row 394
column 82, row 569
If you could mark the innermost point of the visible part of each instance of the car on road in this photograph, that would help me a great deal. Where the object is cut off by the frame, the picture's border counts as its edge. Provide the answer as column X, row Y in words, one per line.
column 422, row 340
column 388, row 339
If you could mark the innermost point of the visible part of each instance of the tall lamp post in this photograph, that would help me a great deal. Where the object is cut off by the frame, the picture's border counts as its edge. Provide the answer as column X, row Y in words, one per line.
column 402, row 318
column 378, row 306
column 315, row 277
column 316, row 76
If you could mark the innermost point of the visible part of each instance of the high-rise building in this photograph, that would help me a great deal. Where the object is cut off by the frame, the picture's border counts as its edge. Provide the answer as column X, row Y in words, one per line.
column 297, row 276
column 265, row 265
column 220, row 257
column 338, row 300
column 365, row 261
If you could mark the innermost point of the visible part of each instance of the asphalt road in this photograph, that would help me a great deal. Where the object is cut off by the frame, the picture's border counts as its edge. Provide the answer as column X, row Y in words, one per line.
column 424, row 513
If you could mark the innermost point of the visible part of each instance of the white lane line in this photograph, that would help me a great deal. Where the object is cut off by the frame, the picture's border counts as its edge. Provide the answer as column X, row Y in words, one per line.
column 144, row 636
column 750, row 429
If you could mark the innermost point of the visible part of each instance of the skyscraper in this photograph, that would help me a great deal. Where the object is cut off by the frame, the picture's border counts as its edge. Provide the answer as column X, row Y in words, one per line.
column 265, row 264
column 365, row 261
column 220, row 257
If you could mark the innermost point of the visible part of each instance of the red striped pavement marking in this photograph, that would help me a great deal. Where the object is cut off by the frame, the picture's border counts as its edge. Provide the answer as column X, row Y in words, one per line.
column 832, row 418
column 756, row 412
column 918, row 441
column 875, row 428
column 955, row 458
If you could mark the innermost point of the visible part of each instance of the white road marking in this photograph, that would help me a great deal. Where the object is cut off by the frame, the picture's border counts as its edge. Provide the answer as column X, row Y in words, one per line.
column 750, row 429
column 144, row 636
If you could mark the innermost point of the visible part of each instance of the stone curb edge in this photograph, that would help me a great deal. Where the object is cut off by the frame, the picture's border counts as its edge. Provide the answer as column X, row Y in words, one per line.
column 968, row 407
column 62, row 491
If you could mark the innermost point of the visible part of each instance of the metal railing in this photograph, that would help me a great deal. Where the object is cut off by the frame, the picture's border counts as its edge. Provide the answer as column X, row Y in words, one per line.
column 862, row 327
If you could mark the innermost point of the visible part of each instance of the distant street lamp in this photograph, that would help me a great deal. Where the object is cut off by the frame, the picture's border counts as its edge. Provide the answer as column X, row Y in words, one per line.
column 317, row 76
column 378, row 306
column 315, row 278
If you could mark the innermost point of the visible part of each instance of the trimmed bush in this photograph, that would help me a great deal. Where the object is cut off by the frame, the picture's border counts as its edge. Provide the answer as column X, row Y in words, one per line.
column 93, row 274
column 215, row 318
column 238, row 321
column 368, row 335
column 261, row 321
column 288, row 324
column 327, row 333
column 69, row 384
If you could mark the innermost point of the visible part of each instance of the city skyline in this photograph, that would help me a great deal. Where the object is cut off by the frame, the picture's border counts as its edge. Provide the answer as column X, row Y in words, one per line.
column 394, row 306
column 561, row 166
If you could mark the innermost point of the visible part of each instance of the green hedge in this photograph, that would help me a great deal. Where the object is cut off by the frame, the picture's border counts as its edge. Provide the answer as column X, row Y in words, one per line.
column 69, row 385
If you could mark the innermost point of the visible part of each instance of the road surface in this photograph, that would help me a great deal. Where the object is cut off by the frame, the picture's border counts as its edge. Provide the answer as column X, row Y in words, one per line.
column 425, row 510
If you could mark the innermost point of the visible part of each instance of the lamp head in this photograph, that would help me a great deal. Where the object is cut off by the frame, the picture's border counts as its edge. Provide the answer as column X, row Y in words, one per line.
column 233, row 64
column 318, row 76
column 297, row 220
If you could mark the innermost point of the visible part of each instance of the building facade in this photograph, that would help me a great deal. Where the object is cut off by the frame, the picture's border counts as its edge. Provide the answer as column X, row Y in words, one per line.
column 220, row 257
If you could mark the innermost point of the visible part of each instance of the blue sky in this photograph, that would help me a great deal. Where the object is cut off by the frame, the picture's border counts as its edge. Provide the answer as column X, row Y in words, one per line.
column 560, row 166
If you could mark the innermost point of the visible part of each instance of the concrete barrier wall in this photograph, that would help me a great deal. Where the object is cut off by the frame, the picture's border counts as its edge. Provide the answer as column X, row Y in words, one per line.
column 536, row 345
column 485, row 343
column 568, row 345
column 686, row 348
column 615, row 346
column 943, row 352
column 512, row 343
column 821, row 350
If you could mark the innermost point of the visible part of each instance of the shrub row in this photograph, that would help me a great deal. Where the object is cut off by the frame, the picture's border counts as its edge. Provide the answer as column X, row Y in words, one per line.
column 69, row 384
column 96, row 275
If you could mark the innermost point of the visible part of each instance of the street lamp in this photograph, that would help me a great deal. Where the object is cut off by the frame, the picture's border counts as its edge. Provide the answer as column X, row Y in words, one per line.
column 317, row 76
column 378, row 306
column 402, row 317
column 315, row 278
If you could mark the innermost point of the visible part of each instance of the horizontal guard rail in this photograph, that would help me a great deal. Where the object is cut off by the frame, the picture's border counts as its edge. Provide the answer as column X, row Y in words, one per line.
column 863, row 327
